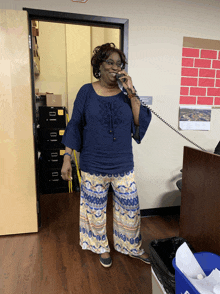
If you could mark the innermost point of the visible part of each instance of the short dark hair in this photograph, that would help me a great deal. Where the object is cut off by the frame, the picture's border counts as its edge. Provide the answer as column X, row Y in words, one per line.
column 101, row 53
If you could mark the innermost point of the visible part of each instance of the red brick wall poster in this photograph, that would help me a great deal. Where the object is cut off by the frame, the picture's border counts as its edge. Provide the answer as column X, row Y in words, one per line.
column 200, row 72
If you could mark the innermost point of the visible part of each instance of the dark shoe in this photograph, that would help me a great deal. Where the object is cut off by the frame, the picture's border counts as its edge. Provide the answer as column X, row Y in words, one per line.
column 146, row 260
column 106, row 262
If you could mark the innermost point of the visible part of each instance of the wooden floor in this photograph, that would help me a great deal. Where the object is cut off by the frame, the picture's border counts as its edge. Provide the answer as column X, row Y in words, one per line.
column 52, row 262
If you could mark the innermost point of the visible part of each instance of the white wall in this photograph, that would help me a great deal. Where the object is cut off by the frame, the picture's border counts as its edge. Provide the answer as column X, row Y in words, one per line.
column 53, row 65
column 156, row 31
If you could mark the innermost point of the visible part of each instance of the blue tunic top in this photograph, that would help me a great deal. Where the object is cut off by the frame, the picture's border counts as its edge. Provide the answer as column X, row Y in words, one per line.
column 101, row 129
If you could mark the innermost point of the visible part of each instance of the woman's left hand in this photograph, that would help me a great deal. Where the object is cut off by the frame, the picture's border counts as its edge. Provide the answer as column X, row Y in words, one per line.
column 128, row 85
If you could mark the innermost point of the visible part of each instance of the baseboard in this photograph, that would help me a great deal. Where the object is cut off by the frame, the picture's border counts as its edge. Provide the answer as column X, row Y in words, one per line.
column 172, row 210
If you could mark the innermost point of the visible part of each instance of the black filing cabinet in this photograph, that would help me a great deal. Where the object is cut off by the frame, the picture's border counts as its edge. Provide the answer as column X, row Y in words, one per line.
column 51, row 128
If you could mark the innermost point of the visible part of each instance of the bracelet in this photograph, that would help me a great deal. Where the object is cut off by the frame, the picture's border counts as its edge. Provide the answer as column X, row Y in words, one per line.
column 67, row 154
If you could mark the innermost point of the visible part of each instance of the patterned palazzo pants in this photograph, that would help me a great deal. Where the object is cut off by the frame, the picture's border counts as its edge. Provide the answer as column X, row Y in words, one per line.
column 126, row 213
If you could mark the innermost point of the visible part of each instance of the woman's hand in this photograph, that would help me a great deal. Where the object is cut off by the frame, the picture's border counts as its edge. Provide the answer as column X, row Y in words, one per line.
column 66, row 171
column 128, row 85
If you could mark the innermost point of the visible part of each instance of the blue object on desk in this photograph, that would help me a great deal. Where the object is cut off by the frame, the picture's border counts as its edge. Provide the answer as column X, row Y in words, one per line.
column 208, row 262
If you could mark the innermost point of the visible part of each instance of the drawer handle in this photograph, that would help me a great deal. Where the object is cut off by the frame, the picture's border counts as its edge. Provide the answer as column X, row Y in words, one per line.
column 52, row 113
column 55, row 174
column 53, row 134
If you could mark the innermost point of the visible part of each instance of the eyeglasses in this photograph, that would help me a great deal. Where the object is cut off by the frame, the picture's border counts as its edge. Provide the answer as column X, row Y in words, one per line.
column 111, row 63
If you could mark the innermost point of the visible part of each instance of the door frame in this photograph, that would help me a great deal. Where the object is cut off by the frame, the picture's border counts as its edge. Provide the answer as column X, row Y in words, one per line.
column 68, row 18
column 83, row 19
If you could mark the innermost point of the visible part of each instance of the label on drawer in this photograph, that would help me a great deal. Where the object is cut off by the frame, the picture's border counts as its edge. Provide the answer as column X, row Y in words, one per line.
column 60, row 111
column 61, row 132
column 62, row 152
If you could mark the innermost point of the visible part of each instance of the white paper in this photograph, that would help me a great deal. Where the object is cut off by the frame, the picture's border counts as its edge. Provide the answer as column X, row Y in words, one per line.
column 194, row 125
column 195, row 118
column 216, row 289
column 187, row 263
column 208, row 284
column 189, row 266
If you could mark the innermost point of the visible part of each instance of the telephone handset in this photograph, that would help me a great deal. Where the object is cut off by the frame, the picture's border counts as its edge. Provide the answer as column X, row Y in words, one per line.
column 118, row 76
column 120, row 84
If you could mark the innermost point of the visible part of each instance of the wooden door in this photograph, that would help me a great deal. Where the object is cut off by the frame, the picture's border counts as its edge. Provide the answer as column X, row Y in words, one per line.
column 18, row 210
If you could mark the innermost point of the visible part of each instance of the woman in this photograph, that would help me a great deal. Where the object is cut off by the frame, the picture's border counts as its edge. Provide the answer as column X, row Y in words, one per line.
column 103, row 120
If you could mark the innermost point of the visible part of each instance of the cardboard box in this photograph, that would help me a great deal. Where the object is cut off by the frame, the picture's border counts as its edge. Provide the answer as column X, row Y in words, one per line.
column 35, row 32
column 53, row 100
column 41, row 94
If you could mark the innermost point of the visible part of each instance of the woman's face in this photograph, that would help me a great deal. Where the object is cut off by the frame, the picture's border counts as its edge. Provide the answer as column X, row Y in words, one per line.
column 110, row 67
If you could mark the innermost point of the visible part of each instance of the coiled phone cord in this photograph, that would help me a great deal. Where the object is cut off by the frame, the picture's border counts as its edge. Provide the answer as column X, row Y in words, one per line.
column 170, row 125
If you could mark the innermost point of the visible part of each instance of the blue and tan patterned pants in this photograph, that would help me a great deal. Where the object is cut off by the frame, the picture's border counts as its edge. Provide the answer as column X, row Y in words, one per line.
column 126, row 213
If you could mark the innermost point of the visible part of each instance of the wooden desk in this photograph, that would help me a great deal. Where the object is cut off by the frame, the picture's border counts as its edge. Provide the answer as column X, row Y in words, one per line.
column 200, row 200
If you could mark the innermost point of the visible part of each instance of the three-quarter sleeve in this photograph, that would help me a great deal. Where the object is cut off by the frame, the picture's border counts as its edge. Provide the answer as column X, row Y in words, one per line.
column 72, row 137
column 145, row 116
column 144, row 121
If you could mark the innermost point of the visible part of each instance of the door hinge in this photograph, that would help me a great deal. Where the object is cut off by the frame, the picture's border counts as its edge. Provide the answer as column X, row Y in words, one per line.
column 29, row 41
